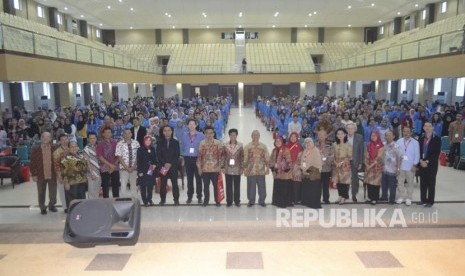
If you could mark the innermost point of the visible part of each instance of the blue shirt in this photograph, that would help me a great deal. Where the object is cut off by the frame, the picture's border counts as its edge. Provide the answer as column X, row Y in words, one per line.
column 188, row 143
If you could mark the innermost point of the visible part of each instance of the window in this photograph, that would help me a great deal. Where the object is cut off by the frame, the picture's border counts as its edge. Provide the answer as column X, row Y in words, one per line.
column 2, row 96
column 460, row 91
column 403, row 85
column 97, row 33
column 46, row 87
column 389, row 87
column 437, row 86
column 25, row 91
column 59, row 19
column 78, row 89
column 381, row 30
column 17, row 4
column 443, row 7
column 40, row 11
column 423, row 15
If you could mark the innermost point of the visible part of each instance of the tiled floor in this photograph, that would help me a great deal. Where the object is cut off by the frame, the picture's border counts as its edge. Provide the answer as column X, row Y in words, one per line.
column 228, row 241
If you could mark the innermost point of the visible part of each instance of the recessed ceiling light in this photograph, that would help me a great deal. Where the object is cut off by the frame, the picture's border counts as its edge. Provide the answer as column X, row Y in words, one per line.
column 66, row 8
column 379, row 21
column 310, row 14
column 349, row 7
column 132, row 9
column 306, row 26
column 82, row 16
column 274, row 26
column 314, row 12
column 372, row 4
column 121, row 1
column 208, row 27
column 108, row 7
column 101, row 24
column 416, row 5
column 169, row 15
column 398, row 13
column 130, row 28
column 276, row 14
column 349, row 25
column 240, row 14
column 174, row 27
column 166, row 13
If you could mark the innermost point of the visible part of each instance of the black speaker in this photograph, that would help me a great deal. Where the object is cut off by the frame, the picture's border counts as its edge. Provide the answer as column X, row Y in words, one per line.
column 106, row 221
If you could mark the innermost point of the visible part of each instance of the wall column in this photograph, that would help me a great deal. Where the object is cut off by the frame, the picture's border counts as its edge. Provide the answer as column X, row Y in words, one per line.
column 132, row 90
column 106, row 92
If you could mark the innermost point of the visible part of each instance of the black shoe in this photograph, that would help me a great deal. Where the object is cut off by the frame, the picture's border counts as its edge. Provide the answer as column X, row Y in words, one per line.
column 327, row 201
column 189, row 201
column 204, row 204
column 263, row 204
column 151, row 203
column 53, row 209
column 373, row 202
column 392, row 202
column 428, row 205
column 238, row 204
column 146, row 205
column 250, row 204
column 176, row 203
column 218, row 204
column 161, row 203
column 229, row 205
column 383, row 199
column 43, row 211
column 354, row 199
column 421, row 203
column 199, row 201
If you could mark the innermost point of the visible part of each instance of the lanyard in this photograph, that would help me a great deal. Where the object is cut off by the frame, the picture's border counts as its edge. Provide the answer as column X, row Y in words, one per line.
column 425, row 146
column 406, row 144
column 192, row 138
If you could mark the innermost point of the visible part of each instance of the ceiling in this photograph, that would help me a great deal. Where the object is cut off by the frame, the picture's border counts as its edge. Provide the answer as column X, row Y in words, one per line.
column 194, row 14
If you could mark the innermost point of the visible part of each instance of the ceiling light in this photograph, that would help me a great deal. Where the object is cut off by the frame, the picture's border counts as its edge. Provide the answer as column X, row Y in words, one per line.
column 372, row 4
column 306, row 26
column 121, row 1
column 166, row 13
column 208, row 27
column 416, row 5
column 240, row 14
column 398, row 13
column 101, row 24
column 310, row 14
column 130, row 28
column 132, row 9
column 240, row 26
column 276, row 14
column 204, row 14
column 314, row 12
column 109, row 7
column 349, row 7
column 274, row 26
column 174, row 27
column 379, row 21
column 169, row 15
column 82, row 16
column 349, row 25
column 66, row 8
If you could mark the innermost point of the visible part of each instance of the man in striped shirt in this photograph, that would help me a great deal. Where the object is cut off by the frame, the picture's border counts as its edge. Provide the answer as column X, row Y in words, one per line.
column 94, row 180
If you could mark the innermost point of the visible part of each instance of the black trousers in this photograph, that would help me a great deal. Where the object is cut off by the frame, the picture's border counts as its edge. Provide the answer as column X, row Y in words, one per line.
column 110, row 180
column 146, row 183
column 207, row 178
column 428, row 184
column 191, row 171
column 233, row 188
column 373, row 192
column 173, row 176
column 325, row 176
column 343, row 190
column 453, row 152
column 76, row 191
column 296, row 191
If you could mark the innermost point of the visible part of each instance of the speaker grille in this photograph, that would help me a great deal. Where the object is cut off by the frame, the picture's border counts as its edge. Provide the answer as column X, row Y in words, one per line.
column 90, row 219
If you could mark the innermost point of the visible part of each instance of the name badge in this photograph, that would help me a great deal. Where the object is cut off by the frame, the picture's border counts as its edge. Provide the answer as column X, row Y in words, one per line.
column 456, row 135
column 232, row 162
column 324, row 158
column 304, row 165
column 405, row 157
column 191, row 150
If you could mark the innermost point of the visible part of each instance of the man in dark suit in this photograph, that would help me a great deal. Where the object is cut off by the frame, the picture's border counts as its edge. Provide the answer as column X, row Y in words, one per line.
column 358, row 156
column 430, row 148
column 138, row 131
column 168, row 155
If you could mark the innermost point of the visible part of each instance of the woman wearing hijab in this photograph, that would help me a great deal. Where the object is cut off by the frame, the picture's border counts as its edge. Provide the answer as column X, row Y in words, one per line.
column 280, row 165
column 81, row 129
column 374, row 167
column 147, row 165
column 310, row 164
column 70, row 129
column 395, row 125
column 342, row 175
column 57, row 131
column 295, row 148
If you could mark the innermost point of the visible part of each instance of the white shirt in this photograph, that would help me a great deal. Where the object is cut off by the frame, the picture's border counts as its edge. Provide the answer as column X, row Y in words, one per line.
column 294, row 127
column 410, row 150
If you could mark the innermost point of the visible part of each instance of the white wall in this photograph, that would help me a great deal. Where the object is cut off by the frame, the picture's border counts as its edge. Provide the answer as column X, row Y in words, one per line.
column 6, row 96
column 143, row 90
column 123, row 90
column 170, row 90
column 135, row 36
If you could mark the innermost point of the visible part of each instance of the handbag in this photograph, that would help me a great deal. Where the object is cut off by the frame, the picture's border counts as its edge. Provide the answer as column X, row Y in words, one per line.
column 314, row 173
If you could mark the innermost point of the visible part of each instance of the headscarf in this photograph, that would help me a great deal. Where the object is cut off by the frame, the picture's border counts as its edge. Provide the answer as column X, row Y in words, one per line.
column 80, row 124
column 278, row 149
column 374, row 147
column 294, row 147
column 148, row 137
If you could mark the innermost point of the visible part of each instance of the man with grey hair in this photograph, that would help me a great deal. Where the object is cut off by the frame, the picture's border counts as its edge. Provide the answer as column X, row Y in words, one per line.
column 358, row 156
column 256, row 157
